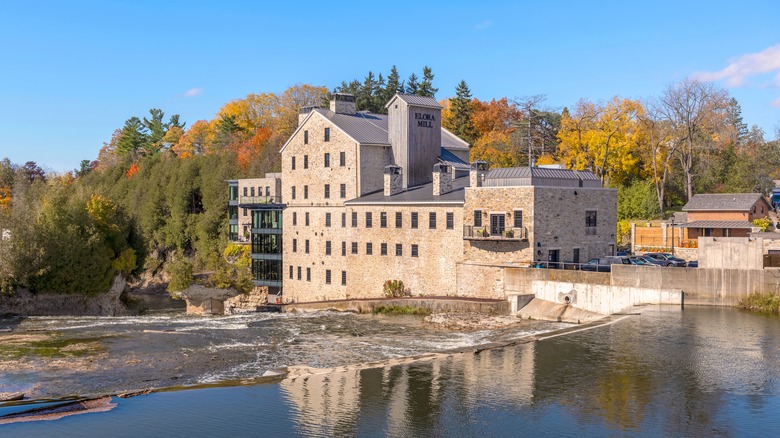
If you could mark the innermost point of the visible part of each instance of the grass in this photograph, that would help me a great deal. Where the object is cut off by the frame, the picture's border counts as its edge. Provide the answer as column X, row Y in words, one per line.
column 400, row 310
column 54, row 348
column 763, row 302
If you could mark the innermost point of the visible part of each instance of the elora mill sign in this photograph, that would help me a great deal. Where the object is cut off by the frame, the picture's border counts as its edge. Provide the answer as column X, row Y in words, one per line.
column 424, row 120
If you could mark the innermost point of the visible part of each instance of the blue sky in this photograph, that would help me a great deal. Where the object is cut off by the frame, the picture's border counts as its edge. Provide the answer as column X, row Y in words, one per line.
column 73, row 72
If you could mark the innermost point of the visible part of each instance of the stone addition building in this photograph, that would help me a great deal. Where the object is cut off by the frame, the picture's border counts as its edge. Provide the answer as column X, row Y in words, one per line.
column 367, row 198
column 724, row 214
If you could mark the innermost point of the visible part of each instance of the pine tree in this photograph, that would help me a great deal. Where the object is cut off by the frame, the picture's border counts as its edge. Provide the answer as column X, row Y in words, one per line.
column 460, row 123
column 132, row 138
column 378, row 105
column 412, row 86
column 734, row 120
column 393, row 85
column 426, row 86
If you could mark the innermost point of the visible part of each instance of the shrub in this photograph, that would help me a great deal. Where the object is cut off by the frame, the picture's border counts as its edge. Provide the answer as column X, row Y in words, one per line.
column 400, row 310
column 395, row 289
column 764, row 302
column 181, row 275
column 762, row 223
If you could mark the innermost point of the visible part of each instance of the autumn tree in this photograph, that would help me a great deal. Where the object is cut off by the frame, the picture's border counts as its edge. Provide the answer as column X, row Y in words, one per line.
column 694, row 110
column 659, row 146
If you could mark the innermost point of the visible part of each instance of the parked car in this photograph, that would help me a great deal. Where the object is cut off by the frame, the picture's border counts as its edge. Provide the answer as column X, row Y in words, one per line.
column 665, row 259
column 624, row 252
column 693, row 264
column 604, row 264
column 640, row 261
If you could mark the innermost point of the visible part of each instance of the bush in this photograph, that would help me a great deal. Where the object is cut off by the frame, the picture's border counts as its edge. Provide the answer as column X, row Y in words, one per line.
column 764, row 302
column 400, row 310
column 395, row 289
column 762, row 223
column 181, row 275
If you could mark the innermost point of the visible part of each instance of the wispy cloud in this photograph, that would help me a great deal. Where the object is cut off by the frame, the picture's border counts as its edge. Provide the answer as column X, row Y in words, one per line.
column 482, row 25
column 745, row 66
column 192, row 92
column 775, row 103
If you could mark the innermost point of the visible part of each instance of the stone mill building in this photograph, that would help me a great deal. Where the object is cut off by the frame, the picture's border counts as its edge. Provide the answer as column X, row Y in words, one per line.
column 363, row 198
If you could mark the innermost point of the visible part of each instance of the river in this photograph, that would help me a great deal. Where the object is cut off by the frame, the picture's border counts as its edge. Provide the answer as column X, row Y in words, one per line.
column 700, row 371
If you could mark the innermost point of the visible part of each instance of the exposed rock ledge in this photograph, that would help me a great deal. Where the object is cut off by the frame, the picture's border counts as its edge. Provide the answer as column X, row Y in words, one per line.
column 25, row 303
column 471, row 321
column 202, row 300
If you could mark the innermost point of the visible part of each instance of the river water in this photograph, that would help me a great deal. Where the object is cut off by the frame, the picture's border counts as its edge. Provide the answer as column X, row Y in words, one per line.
column 700, row 371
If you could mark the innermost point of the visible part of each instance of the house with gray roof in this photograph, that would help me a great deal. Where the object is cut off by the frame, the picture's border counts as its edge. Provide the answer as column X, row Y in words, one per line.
column 724, row 214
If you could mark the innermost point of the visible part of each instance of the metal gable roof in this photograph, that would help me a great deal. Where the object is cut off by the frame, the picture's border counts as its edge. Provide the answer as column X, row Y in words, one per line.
column 447, row 157
column 413, row 99
column 722, row 202
column 417, row 195
column 364, row 127
column 718, row 224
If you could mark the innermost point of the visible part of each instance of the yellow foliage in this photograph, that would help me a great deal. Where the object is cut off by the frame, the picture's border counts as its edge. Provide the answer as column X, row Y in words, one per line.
column 495, row 147
column 545, row 159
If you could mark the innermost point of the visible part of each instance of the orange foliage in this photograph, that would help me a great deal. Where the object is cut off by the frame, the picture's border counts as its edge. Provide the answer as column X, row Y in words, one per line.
column 132, row 170
column 250, row 149
column 5, row 197
column 496, row 115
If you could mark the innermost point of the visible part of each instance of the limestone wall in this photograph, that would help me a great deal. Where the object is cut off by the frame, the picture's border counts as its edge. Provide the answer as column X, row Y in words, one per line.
column 731, row 252
column 480, row 280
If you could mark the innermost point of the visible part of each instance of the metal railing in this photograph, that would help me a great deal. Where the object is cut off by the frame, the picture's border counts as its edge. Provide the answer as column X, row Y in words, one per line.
column 260, row 200
column 470, row 232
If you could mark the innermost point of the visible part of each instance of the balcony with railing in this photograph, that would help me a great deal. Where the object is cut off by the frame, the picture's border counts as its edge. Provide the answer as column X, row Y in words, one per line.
column 470, row 232
column 256, row 200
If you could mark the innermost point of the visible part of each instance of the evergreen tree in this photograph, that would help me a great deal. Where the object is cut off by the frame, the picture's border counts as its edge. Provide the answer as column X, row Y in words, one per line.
column 426, row 86
column 412, row 86
column 364, row 100
column 461, row 123
column 734, row 120
column 378, row 105
column 393, row 85
column 132, row 138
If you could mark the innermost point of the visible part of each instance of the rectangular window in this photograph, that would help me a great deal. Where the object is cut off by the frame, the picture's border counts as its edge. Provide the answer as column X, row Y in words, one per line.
column 291, row 272
column 518, row 218
column 590, row 223
column 399, row 249
column 327, row 248
column 343, row 191
column 293, row 163
column 369, row 248
column 576, row 256
column 368, row 219
column 306, row 137
column 307, row 219
column 244, row 191
column 354, row 247
column 354, row 219
column 295, row 245
column 432, row 220
column 244, row 212
column 450, row 220
column 308, row 274
column 327, row 159
column 307, row 246
column 327, row 276
column 327, row 220
column 383, row 219
column 293, row 192
column 295, row 218
column 327, row 134
column 251, row 191
column 305, row 192
column 342, row 158
column 299, row 272
column 305, row 161
column 415, row 250
column 267, row 191
column 327, row 191
column 414, row 219
column 343, row 220
column 477, row 218
column 383, row 249
column 343, row 278
column 399, row 219
column 343, row 248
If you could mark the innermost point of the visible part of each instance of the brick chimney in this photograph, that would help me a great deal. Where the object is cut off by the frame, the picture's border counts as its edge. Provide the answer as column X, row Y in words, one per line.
column 442, row 179
column 342, row 103
column 477, row 173
column 394, row 180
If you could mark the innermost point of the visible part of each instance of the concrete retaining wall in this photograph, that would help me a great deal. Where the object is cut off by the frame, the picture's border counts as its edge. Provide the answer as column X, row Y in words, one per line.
column 433, row 305
column 601, row 298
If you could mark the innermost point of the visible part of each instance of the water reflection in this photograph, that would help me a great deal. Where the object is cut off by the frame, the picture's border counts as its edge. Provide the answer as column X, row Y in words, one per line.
column 700, row 371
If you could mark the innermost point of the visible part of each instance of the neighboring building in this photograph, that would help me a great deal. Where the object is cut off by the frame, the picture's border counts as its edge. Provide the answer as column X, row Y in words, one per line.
column 724, row 214
column 369, row 198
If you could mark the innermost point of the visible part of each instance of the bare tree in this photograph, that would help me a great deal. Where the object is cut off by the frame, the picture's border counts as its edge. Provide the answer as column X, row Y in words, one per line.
column 662, row 148
column 690, row 107
column 527, row 104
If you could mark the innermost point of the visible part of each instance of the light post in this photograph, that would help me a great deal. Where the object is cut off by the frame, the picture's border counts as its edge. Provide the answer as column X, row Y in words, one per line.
column 672, row 236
